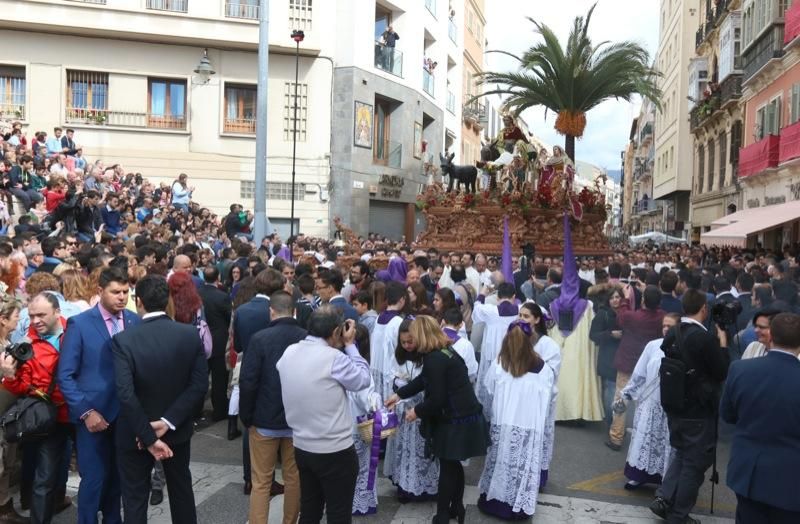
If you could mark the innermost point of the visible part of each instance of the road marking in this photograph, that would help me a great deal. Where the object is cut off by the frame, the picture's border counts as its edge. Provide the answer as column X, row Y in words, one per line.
column 599, row 485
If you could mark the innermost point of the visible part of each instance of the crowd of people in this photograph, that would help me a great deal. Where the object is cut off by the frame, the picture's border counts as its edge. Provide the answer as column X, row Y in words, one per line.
column 303, row 342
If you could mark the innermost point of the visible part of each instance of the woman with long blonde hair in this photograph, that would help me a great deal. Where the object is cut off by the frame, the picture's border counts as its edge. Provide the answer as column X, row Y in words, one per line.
column 519, row 385
column 452, row 417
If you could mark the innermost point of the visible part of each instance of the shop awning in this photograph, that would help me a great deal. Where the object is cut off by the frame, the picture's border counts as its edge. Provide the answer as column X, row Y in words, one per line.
column 750, row 222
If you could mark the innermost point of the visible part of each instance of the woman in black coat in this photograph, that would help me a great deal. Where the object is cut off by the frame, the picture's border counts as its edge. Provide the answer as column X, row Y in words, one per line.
column 606, row 334
column 452, row 417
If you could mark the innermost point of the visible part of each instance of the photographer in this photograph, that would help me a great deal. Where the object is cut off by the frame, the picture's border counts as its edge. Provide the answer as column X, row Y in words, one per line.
column 34, row 378
column 693, row 426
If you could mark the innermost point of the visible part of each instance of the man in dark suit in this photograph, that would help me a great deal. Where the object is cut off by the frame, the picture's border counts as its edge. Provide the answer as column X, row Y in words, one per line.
column 692, row 429
column 217, row 308
column 761, row 398
column 161, row 376
column 551, row 291
column 744, row 285
column 86, row 378
column 329, row 289
column 669, row 303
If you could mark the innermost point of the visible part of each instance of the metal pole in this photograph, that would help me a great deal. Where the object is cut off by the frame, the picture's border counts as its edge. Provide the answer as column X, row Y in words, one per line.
column 294, row 134
column 262, row 227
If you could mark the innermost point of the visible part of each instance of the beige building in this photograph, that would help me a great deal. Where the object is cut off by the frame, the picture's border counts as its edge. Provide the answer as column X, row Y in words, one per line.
column 646, row 214
column 672, row 176
column 716, row 113
column 120, row 72
column 474, row 115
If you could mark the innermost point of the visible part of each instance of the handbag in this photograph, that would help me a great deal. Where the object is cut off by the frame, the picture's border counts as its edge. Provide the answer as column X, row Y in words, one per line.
column 31, row 418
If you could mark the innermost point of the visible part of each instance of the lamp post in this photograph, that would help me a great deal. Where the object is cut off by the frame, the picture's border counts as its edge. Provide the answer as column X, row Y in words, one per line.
column 261, row 222
column 297, row 36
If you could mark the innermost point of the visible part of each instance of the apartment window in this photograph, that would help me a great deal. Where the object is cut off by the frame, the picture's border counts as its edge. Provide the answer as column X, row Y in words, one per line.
column 760, row 131
column 275, row 190
column 772, row 122
column 167, row 103
column 288, row 111
column 240, row 108
column 794, row 113
column 87, row 96
column 300, row 14
column 241, row 9
column 180, row 6
column 783, row 5
column 736, row 143
column 723, row 158
column 711, row 162
column 12, row 92
column 701, row 167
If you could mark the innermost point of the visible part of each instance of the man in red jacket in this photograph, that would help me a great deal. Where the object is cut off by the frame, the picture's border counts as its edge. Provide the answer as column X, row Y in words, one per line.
column 34, row 378
column 638, row 328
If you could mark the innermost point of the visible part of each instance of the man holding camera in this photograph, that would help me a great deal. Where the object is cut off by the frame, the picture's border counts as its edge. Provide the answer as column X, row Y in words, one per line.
column 315, row 375
column 34, row 378
column 693, row 425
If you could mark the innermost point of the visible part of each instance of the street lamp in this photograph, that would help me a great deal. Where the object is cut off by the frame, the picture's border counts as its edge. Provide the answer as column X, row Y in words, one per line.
column 204, row 69
column 297, row 36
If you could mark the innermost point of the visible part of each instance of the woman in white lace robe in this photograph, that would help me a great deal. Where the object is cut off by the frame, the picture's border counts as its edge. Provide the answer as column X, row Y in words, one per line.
column 415, row 475
column 649, row 451
column 550, row 352
column 520, row 387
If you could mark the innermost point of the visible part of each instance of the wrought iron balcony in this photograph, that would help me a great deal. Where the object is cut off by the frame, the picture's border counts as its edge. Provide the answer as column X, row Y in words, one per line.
column 730, row 90
column 474, row 111
column 769, row 47
column 703, row 110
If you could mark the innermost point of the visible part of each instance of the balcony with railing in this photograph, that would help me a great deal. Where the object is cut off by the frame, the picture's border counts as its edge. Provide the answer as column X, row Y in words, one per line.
column 428, row 83
column 645, row 207
column 241, row 9
column 430, row 5
column 790, row 143
column 703, row 110
column 105, row 117
column 792, row 24
column 245, row 126
column 388, row 59
column 178, row 6
column 451, row 102
column 730, row 90
column 388, row 153
column 474, row 111
column 769, row 47
column 452, row 31
column 12, row 111
column 756, row 158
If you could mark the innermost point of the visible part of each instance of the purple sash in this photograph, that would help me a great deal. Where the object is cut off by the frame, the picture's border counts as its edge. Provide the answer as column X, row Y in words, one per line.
column 375, row 446
column 452, row 334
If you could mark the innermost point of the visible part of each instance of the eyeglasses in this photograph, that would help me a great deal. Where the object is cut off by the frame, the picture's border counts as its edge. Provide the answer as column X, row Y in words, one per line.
column 761, row 327
column 72, row 243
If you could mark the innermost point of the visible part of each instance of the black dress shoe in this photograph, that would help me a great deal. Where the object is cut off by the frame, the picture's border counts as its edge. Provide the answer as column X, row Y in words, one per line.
column 614, row 447
column 660, row 506
column 458, row 513
column 276, row 489
column 248, row 487
column 156, row 497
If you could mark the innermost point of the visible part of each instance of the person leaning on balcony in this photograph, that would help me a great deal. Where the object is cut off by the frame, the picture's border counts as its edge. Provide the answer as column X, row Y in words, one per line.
column 388, row 39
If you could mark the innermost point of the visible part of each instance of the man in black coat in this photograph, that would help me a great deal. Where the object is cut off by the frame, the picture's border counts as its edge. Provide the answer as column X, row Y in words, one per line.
column 261, row 410
column 760, row 398
column 692, row 429
column 161, row 376
column 744, row 285
column 217, row 307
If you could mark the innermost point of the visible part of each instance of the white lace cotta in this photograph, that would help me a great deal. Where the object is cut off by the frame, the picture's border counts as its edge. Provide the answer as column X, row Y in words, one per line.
column 361, row 403
column 493, row 335
column 383, row 342
column 520, row 405
column 548, row 349
column 649, row 450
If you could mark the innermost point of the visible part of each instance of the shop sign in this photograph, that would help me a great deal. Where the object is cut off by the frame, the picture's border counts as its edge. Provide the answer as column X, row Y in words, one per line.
column 391, row 185
column 753, row 202
column 771, row 201
column 794, row 190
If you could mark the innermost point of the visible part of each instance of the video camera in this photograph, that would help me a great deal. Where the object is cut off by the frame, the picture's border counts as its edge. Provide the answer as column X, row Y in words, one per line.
column 21, row 351
column 726, row 314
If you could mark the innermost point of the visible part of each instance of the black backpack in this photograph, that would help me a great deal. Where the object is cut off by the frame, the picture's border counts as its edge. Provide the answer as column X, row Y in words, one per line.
column 674, row 376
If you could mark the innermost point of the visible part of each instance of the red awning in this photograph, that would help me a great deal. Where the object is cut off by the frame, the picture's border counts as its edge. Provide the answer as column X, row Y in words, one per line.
column 792, row 23
column 790, row 142
column 757, row 157
column 750, row 222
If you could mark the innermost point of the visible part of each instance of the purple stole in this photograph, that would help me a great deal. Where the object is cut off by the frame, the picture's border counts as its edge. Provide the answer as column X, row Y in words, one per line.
column 452, row 334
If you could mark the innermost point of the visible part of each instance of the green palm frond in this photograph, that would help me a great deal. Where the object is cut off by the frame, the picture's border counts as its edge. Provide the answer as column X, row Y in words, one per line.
column 576, row 77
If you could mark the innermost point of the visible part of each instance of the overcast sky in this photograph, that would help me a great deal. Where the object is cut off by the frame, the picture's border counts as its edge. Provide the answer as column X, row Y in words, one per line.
column 608, row 124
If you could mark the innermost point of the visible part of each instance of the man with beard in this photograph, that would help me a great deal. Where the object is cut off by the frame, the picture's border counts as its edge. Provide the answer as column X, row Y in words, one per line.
column 359, row 280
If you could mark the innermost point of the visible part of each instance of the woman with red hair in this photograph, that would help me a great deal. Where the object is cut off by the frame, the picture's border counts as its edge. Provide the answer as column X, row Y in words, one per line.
column 186, row 302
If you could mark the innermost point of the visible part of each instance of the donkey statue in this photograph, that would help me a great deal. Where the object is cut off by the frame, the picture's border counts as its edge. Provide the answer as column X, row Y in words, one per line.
column 466, row 174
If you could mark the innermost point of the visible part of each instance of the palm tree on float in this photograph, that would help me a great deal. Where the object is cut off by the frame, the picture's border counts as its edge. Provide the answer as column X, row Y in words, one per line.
column 572, row 81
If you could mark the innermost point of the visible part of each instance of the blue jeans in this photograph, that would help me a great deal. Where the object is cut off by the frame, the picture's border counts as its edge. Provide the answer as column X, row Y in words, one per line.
column 183, row 207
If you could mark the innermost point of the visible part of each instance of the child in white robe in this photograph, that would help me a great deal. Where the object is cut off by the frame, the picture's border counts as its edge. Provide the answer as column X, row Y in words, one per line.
column 452, row 322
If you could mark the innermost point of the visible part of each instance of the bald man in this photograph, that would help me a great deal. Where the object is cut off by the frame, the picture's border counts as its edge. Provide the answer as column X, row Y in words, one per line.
column 184, row 264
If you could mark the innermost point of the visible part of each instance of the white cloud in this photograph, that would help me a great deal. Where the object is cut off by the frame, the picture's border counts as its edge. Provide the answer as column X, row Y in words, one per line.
column 509, row 29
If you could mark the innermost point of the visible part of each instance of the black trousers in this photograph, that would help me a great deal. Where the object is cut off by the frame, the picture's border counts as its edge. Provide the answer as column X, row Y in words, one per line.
column 49, row 453
column 219, row 386
column 327, row 481
column 749, row 511
column 135, row 467
column 694, row 441
column 451, row 488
